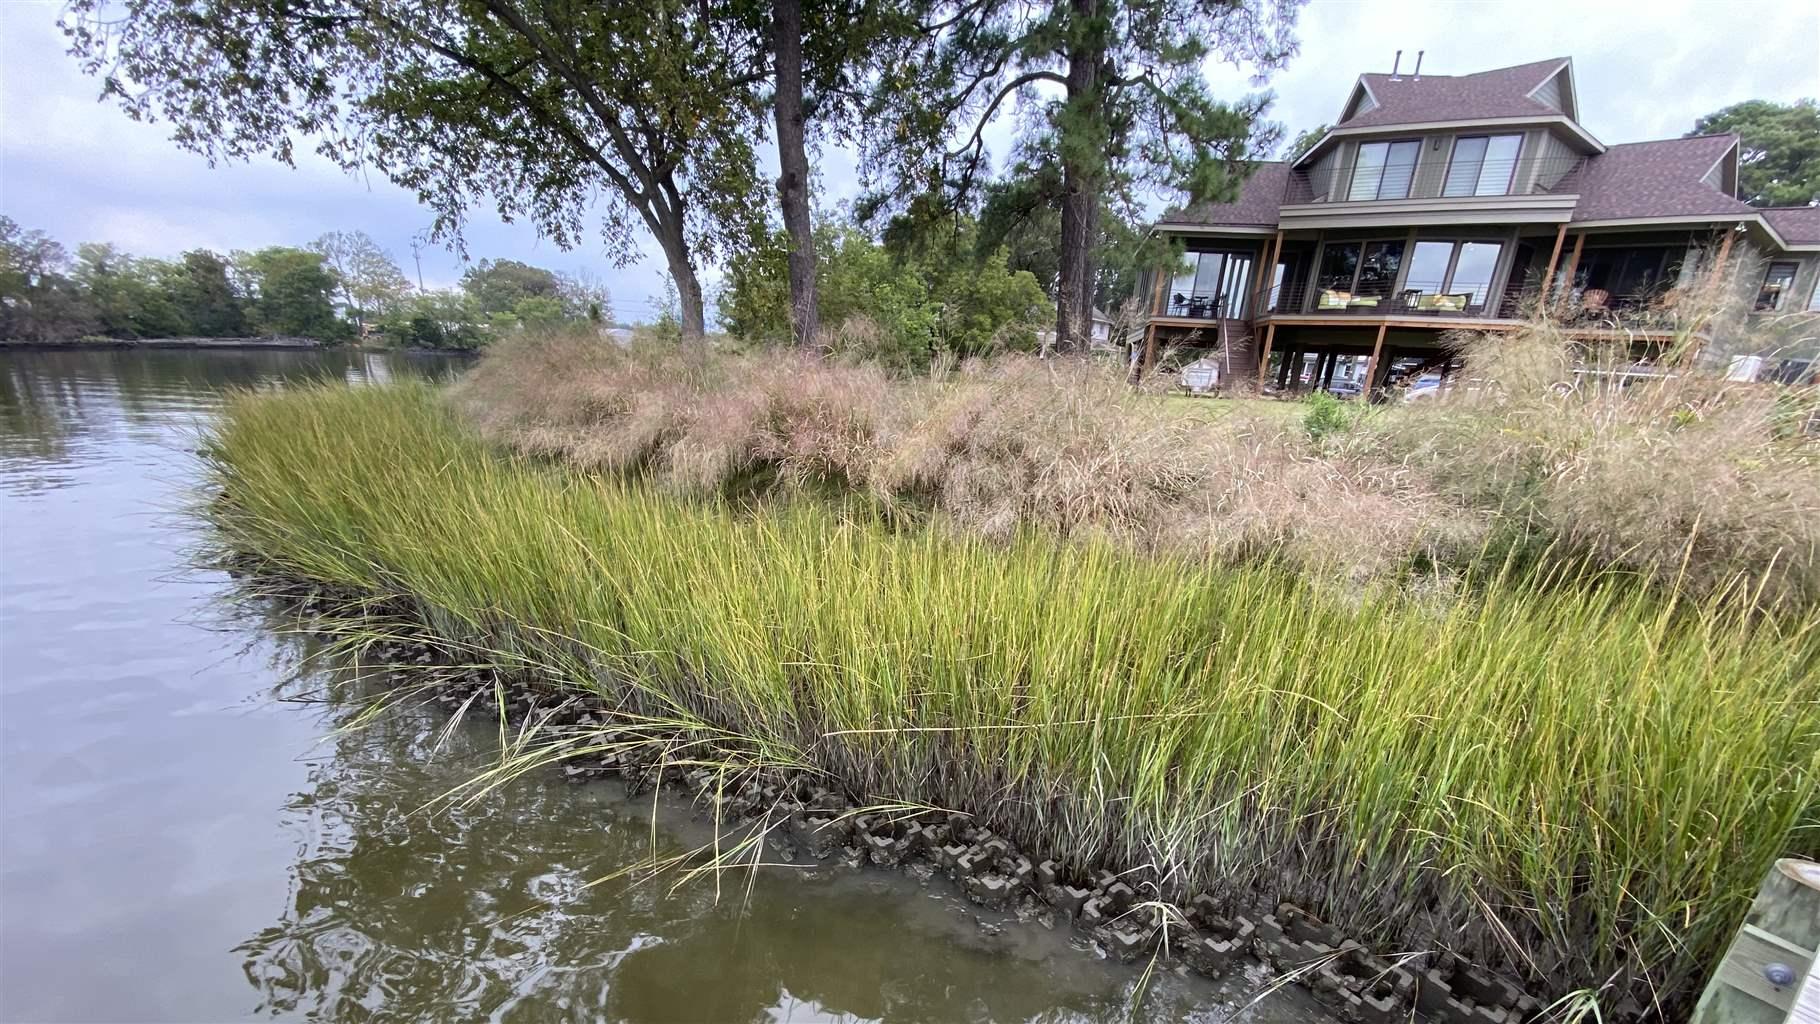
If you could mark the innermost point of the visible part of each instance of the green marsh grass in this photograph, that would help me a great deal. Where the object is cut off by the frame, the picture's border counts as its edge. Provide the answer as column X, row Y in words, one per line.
column 1579, row 782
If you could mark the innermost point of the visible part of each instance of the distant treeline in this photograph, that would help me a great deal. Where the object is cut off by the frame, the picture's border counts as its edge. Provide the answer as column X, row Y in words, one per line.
column 342, row 287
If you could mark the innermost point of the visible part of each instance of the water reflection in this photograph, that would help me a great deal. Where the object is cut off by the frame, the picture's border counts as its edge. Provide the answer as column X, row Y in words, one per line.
column 175, row 845
column 496, row 911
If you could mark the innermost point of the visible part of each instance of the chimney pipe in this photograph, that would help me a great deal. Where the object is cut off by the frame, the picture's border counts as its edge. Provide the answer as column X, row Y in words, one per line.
column 1395, row 66
column 1417, row 77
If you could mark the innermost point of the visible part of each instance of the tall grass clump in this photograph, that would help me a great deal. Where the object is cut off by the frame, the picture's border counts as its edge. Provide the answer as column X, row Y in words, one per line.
column 1577, row 782
column 994, row 447
column 1669, row 472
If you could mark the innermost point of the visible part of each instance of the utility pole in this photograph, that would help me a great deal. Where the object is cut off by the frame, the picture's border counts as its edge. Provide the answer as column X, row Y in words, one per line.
column 416, row 249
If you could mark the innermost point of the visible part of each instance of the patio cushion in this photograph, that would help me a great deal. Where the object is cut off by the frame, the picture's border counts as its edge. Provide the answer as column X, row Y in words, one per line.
column 1331, row 299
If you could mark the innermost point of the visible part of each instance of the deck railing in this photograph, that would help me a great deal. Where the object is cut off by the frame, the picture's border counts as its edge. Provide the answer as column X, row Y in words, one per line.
column 1523, row 176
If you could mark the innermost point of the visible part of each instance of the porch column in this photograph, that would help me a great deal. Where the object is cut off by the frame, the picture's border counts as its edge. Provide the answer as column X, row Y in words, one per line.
column 1573, row 262
column 1548, row 277
column 1156, row 299
column 1265, row 274
column 1333, row 362
column 1270, row 336
column 1371, row 367
column 1725, row 250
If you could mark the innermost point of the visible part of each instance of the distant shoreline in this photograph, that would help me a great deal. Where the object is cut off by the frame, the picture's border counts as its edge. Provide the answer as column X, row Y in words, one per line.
column 281, row 344
column 115, row 343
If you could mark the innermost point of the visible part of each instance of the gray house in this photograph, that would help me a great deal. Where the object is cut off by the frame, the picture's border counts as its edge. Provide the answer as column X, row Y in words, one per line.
column 1441, row 202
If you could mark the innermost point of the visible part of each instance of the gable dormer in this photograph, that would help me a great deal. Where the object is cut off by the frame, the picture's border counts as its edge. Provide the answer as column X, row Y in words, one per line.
column 1556, row 92
column 1360, row 102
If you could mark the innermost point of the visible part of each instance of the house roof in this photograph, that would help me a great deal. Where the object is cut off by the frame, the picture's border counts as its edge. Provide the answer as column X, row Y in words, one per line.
column 1500, row 92
column 1260, row 199
column 1798, row 225
column 1644, row 180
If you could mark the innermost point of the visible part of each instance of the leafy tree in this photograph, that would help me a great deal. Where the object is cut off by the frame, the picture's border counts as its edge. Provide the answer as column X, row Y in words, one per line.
column 1022, row 213
column 370, row 280
column 199, row 287
column 899, row 303
column 128, row 296
column 1305, row 141
column 1779, row 149
column 38, row 301
column 820, row 50
column 293, row 290
column 434, row 320
column 584, row 298
column 553, row 110
column 497, row 286
column 1119, row 101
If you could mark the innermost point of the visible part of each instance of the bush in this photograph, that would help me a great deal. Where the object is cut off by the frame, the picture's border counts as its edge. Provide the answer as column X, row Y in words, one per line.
column 1326, row 415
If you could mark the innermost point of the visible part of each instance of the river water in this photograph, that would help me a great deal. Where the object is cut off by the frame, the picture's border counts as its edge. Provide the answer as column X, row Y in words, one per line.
column 186, row 835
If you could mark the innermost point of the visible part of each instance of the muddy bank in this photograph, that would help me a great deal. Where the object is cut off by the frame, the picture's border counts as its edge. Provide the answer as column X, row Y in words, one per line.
column 807, row 818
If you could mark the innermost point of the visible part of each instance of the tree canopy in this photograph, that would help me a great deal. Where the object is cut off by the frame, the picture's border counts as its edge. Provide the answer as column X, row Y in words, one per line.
column 557, row 111
column 371, row 284
column 901, row 304
column 1117, row 98
column 1779, row 149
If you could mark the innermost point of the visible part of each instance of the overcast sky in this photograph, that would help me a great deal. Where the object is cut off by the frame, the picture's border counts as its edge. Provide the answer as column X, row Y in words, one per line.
column 82, row 171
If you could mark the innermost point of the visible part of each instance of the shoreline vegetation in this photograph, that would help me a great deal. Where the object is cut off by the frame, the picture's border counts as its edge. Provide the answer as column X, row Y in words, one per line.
column 89, row 343
column 1558, row 757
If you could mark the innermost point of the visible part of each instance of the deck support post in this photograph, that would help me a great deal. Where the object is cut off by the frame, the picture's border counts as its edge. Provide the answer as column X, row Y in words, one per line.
column 1548, row 277
column 1573, row 263
column 1725, row 250
column 1371, row 367
column 1266, row 274
column 1270, row 336
column 1149, row 356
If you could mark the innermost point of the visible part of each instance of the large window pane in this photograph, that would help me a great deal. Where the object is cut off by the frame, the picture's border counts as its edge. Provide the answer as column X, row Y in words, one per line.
column 1339, row 262
column 1368, row 171
column 1463, row 172
column 1378, row 270
column 1399, row 170
column 1813, row 301
column 1428, row 267
column 1777, row 280
column 1472, row 273
column 1482, row 165
column 1207, row 277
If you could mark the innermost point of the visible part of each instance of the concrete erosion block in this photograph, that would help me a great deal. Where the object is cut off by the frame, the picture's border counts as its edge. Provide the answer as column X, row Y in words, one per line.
column 1121, row 896
column 1128, row 941
column 1067, row 898
column 1048, row 872
column 988, row 887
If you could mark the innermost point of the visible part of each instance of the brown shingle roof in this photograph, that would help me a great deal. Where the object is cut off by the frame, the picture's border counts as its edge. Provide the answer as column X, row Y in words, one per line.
column 1501, row 92
column 1798, row 225
column 1260, row 199
column 1653, row 179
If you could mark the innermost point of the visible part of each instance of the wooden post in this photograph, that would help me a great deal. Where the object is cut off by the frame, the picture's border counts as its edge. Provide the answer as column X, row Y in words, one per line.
column 1548, row 278
column 1266, row 274
column 1270, row 336
column 1725, row 250
column 1573, row 262
column 1371, row 367
column 1771, row 974
column 1156, row 299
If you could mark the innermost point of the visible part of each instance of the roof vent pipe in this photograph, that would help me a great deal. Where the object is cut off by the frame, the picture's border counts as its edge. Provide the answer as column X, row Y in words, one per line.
column 1395, row 66
column 1417, row 76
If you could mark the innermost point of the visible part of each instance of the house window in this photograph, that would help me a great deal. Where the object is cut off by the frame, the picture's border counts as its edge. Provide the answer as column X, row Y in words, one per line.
column 1210, row 284
column 1813, row 301
column 1462, row 271
column 1778, row 281
column 1384, row 170
column 1482, row 165
column 1357, row 274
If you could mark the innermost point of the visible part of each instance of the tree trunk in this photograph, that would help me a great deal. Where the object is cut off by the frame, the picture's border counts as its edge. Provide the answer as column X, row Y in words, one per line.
column 793, row 163
column 682, row 273
column 1074, row 289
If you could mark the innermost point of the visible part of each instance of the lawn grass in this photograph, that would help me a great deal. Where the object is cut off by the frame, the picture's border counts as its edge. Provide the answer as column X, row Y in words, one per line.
column 1576, row 783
